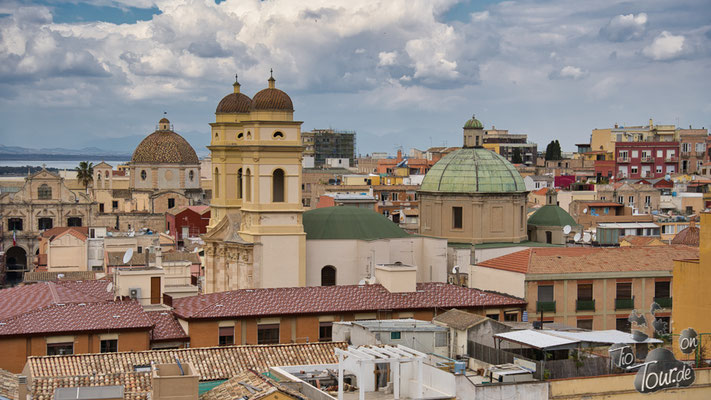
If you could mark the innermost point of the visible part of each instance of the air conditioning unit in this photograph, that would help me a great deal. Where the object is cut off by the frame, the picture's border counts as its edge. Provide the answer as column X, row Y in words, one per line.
column 134, row 293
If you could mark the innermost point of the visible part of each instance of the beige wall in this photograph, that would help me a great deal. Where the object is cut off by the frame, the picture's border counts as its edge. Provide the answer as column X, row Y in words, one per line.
column 67, row 253
column 485, row 217
column 567, row 197
column 508, row 282
column 126, row 279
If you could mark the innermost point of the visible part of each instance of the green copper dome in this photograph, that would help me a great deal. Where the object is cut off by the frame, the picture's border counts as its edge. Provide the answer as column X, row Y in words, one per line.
column 473, row 170
column 473, row 124
column 344, row 222
column 551, row 215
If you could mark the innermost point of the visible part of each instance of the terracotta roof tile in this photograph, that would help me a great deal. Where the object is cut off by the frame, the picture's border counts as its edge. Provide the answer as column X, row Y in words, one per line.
column 82, row 232
column 8, row 384
column 234, row 388
column 555, row 260
column 137, row 385
column 329, row 299
column 21, row 299
column 47, row 276
column 211, row 363
column 60, row 318
column 166, row 327
column 638, row 240
column 459, row 319
column 690, row 236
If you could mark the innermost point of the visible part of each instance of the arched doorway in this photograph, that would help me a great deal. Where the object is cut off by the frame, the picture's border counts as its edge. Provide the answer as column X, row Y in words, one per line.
column 328, row 276
column 16, row 265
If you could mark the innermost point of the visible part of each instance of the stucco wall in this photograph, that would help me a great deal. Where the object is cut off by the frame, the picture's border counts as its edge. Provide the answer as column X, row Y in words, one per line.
column 498, row 280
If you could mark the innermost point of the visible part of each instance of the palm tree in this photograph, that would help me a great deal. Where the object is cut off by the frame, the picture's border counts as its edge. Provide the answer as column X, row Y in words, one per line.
column 85, row 174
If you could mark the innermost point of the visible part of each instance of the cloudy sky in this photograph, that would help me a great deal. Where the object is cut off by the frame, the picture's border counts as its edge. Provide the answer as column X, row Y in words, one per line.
column 399, row 72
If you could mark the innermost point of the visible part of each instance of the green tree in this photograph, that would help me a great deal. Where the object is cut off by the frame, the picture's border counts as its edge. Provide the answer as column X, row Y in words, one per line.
column 85, row 173
column 553, row 151
column 516, row 156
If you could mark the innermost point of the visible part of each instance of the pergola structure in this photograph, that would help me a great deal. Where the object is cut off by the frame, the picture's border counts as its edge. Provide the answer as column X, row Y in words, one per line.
column 357, row 360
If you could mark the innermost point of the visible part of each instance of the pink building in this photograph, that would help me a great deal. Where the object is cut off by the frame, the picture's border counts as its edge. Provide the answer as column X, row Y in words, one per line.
column 636, row 160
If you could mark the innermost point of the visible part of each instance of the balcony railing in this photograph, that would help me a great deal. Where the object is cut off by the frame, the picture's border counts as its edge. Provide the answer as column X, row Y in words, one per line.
column 700, row 153
column 623, row 160
column 685, row 154
column 545, row 306
column 585, row 305
column 648, row 159
column 672, row 159
column 624, row 304
column 664, row 302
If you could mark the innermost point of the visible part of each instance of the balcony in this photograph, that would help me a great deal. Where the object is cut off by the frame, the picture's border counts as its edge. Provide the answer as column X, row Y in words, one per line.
column 545, row 306
column 585, row 305
column 647, row 159
column 624, row 304
column 700, row 154
column 672, row 159
column 685, row 154
column 623, row 160
column 664, row 302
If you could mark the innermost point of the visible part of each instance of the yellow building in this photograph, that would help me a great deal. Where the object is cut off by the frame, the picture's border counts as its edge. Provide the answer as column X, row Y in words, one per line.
column 690, row 287
column 256, row 200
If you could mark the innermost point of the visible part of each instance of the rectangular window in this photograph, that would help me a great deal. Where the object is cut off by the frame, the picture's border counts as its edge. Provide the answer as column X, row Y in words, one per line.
column 658, row 168
column 171, row 203
column 620, row 199
column 545, row 293
column 114, row 204
column 14, row 224
column 101, row 207
column 585, row 291
column 440, row 339
column 268, row 334
column 635, row 153
column 630, row 200
column 325, row 331
column 395, row 335
column 622, row 324
column 394, row 196
column 44, row 223
column 585, row 324
column 59, row 349
column 74, row 221
column 647, row 200
column 685, row 147
column 457, row 217
column 700, row 147
column 109, row 346
column 511, row 316
column 662, row 289
column 227, row 335
column 623, row 154
column 660, row 153
column 624, row 290
column 634, row 169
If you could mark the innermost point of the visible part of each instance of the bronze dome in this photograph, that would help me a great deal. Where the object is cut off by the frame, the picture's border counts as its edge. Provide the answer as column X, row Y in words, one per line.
column 234, row 103
column 164, row 147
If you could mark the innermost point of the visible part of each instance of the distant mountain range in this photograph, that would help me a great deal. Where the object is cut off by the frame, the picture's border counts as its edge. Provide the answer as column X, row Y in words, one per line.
column 23, row 153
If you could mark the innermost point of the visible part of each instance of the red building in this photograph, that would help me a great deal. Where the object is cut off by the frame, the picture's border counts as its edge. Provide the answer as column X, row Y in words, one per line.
column 635, row 160
column 187, row 222
column 604, row 169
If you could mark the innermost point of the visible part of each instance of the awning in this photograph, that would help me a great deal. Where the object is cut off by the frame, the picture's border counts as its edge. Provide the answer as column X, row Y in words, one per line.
column 560, row 340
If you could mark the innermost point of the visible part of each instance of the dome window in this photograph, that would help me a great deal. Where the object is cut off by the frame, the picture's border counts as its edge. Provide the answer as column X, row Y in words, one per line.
column 278, row 135
column 249, row 135
column 191, row 175
column 240, row 135
column 144, row 175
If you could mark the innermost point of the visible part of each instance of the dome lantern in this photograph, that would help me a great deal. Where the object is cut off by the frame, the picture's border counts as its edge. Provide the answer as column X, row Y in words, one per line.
column 473, row 133
column 235, row 102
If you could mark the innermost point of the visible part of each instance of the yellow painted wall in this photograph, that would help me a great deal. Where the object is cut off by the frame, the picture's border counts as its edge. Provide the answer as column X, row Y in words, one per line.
column 621, row 387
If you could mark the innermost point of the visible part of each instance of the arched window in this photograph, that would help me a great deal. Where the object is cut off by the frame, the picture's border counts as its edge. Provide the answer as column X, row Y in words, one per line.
column 278, row 186
column 328, row 276
column 239, row 183
column 106, row 174
column 216, row 184
column 248, row 185
column 44, row 192
column 191, row 175
column 144, row 175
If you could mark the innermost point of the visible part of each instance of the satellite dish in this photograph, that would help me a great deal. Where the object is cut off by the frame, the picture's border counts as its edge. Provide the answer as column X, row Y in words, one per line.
column 586, row 237
column 361, row 282
column 127, row 256
column 577, row 237
column 567, row 229
column 455, row 269
column 585, row 210
column 110, row 287
column 131, row 234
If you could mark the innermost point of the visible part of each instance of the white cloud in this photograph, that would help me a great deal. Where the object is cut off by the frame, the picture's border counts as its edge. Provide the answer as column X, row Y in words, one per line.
column 387, row 58
column 625, row 27
column 665, row 47
column 569, row 72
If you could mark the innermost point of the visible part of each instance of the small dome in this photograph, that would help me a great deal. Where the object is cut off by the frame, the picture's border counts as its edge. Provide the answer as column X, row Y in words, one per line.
column 473, row 170
column 164, row 147
column 272, row 99
column 164, row 121
column 473, row 124
column 689, row 236
column 234, row 103
column 551, row 215
column 344, row 222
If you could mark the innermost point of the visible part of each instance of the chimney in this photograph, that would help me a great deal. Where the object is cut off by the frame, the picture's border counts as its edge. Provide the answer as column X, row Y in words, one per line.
column 397, row 278
column 174, row 382
column 399, row 155
column 22, row 391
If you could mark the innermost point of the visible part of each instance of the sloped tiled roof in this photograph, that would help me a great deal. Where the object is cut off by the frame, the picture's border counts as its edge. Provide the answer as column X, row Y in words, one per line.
column 459, row 319
column 555, row 260
column 137, row 385
column 166, row 327
column 235, row 388
column 8, row 384
column 47, row 276
column 22, row 299
column 330, row 299
column 640, row 240
column 211, row 363
column 81, row 232
column 60, row 318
